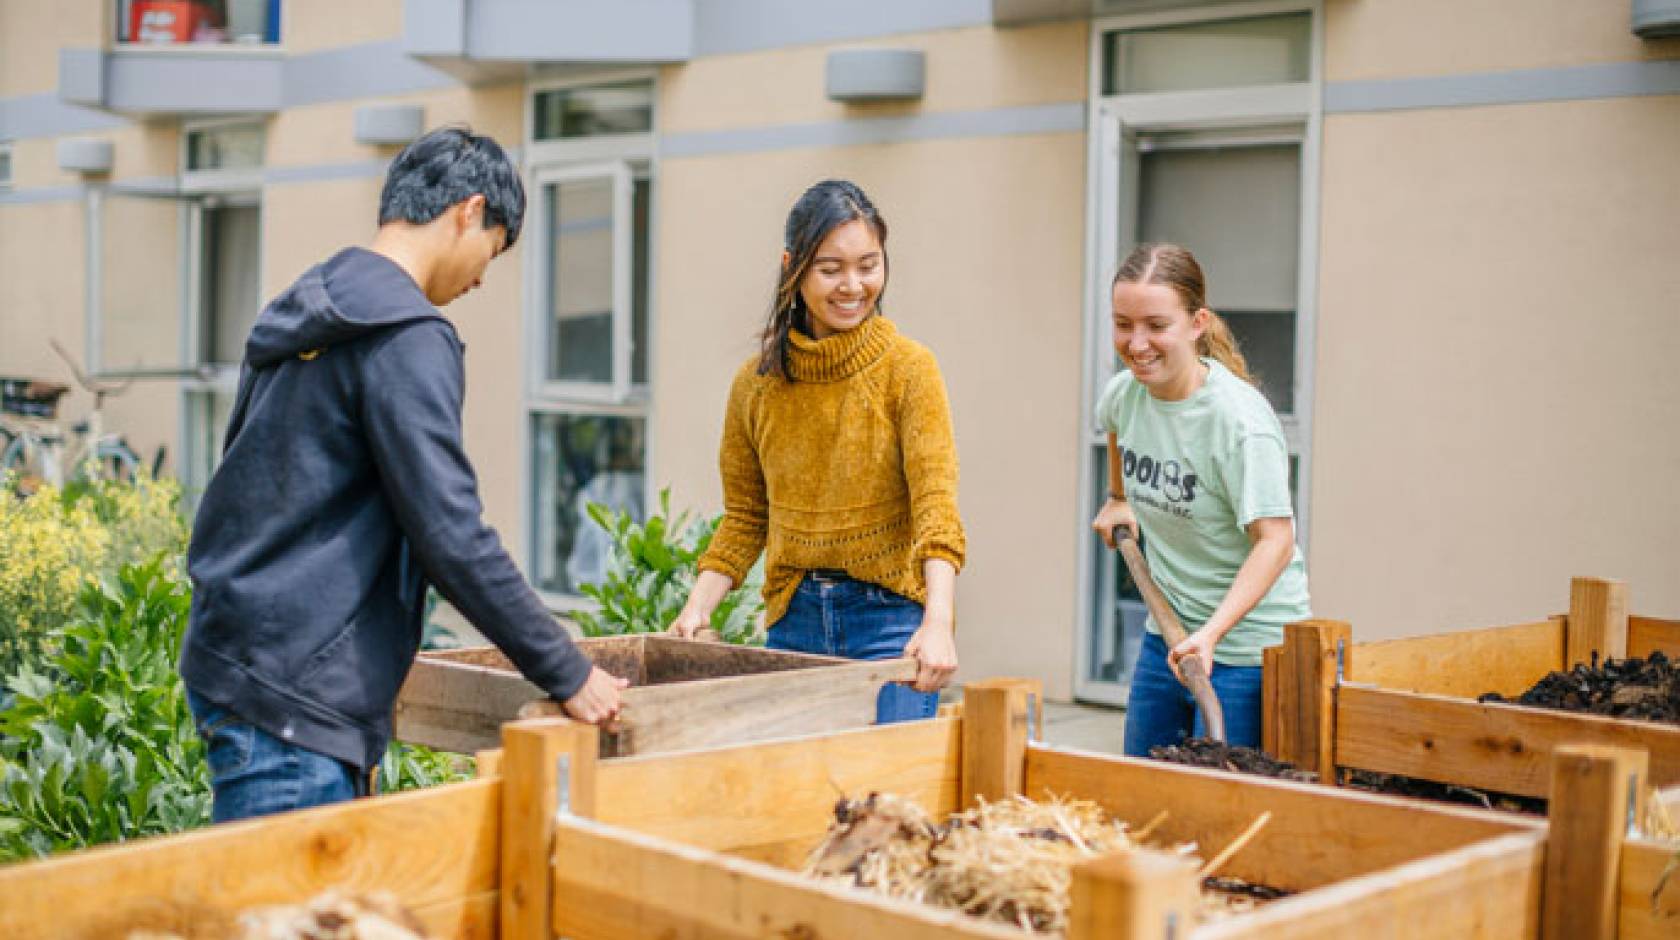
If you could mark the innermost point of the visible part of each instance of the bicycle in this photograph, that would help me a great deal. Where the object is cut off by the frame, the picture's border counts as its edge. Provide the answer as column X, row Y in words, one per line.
column 37, row 451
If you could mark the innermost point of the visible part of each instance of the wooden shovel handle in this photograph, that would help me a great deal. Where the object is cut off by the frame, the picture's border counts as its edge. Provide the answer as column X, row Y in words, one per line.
column 1194, row 671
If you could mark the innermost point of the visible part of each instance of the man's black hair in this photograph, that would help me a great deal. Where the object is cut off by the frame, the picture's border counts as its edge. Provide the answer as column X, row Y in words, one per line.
column 447, row 166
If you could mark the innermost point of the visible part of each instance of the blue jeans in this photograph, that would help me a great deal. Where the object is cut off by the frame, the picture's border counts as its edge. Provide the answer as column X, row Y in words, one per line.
column 254, row 773
column 840, row 616
column 1161, row 710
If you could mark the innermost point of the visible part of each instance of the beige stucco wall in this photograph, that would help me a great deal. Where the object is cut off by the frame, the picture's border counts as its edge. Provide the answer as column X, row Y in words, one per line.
column 313, row 25
column 1370, row 39
column 987, row 253
column 31, row 34
column 1496, row 387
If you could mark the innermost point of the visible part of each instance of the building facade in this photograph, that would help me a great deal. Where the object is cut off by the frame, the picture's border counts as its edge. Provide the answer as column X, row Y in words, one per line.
column 1445, row 233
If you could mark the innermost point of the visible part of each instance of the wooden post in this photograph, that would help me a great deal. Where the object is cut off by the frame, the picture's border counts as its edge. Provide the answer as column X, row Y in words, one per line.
column 994, row 737
column 489, row 762
column 1137, row 893
column 1270, row 658
column 1589, row 813
column 531, row 752
column 1306, row 695
column 1598, row 621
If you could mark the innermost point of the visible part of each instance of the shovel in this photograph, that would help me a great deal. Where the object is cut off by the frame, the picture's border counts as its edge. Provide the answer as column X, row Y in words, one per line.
column 1191, row 668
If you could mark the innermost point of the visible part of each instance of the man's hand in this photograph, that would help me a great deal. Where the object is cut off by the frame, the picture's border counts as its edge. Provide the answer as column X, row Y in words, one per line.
column 598, row 700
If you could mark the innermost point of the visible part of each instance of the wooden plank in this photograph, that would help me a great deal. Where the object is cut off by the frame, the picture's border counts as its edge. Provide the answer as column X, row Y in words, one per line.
column 1133, row 894
column 1507, row 660
column 1648, row 902
column 428, row 847
column 1598, row 621
column 616, row 883
column 531, row 779
column 1489, row 890
column 459, row 704
column 1488, row 746
column 740, row 709
column 774, row 800
column 470, row 918
column 994, row 737
column 1589, row 815
column 1270, row 662
column 1306, row 694
column 489, row 762
column 1647, row 635
column 1317, row 835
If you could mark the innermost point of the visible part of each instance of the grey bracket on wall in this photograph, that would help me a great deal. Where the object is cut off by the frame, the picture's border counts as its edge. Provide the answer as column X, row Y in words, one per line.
column 876, row 74
column 378, row 124
column 85, row 155
column 1656, row 19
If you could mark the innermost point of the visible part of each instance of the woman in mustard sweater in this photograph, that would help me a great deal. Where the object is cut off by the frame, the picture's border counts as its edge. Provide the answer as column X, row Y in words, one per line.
column 838, row 462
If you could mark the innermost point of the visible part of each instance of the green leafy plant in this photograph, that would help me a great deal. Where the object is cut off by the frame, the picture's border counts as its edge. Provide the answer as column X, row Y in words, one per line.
column 413, row 767
column 99, row 745
column 650, row 571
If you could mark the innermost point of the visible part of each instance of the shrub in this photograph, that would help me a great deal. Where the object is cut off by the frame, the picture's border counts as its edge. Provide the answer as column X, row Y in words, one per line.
column 650, row 571
column 55, row 543
column 100, row 746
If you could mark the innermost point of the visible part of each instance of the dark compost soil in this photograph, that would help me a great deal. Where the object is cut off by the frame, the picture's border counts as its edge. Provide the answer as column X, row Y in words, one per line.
column 1643, row 689
column 1205, row 752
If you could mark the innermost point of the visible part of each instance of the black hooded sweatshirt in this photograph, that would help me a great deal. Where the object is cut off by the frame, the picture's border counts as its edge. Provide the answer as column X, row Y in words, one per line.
column 343, row 491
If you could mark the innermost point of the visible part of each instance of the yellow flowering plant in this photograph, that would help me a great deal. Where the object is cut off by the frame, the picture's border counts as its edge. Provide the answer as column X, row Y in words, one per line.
column 54, row 543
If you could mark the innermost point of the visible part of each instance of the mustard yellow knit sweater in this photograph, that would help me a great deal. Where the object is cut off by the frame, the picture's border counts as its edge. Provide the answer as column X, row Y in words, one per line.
column 851, row 466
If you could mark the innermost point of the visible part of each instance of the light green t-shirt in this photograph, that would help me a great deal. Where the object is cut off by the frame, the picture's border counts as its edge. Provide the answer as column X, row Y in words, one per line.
column 1197, row 472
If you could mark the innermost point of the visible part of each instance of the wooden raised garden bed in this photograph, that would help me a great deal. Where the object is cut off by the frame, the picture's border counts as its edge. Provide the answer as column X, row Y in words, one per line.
column 683, row 694
column 556, row 842
column 1410, row 706
column 703, row 844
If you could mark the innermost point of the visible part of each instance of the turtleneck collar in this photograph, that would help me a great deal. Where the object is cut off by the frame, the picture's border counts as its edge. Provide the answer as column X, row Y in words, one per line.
column 841, row 355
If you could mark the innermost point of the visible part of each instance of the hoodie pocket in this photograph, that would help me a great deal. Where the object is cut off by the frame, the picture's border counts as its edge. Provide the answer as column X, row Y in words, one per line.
column 324, row 657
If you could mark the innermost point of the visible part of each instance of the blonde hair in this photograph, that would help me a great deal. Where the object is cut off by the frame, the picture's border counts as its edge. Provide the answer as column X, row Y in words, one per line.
column 1175, row 267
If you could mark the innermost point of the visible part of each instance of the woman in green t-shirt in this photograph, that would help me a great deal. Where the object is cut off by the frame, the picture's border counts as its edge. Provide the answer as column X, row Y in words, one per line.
column 1199, row 464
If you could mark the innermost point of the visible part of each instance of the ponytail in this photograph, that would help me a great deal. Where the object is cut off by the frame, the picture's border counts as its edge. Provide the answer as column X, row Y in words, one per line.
column 1219, row 343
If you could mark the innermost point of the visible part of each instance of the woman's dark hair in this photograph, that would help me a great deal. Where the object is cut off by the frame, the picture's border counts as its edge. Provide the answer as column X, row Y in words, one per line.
column 447, row 166
column 822, row 209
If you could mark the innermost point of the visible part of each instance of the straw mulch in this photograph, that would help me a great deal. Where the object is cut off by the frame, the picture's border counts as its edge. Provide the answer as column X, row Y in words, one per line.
column 331, row 916
column 1009, row 862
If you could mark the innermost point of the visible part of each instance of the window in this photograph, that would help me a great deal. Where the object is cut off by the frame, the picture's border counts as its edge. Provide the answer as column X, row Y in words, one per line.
column 198, row 22
column 1204, row 133
column 5, row 167
column 225, row 147
column 592, row 192
column 593, row 111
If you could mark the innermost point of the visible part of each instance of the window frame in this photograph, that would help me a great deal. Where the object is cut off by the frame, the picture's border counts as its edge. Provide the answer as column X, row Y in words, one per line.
column 631, row 157
column 1255, row 111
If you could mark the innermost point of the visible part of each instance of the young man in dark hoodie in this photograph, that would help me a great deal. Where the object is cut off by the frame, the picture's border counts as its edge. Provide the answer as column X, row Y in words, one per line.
column 344, row 491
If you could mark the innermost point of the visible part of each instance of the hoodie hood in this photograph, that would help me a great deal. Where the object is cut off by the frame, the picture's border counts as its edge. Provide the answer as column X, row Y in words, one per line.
column 311, row 315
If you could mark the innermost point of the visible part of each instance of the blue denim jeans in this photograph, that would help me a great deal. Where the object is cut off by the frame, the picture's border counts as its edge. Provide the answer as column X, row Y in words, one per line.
column 840, row 616
column 1161, row 710
column 254, row 773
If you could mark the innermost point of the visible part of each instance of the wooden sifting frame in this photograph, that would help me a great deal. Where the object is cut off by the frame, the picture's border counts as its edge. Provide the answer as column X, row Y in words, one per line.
column 642, row 864
column 1409, row 706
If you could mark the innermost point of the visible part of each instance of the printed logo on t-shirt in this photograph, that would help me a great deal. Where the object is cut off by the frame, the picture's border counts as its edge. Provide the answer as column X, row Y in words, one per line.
column 1160, row 484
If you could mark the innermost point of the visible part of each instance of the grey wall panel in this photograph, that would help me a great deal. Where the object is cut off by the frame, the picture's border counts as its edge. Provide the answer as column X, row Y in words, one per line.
column 1655, row 19
column 434, row 27
column 198, row 84
column 81, row 76
column 580, row 30
column 389, row 123
column 1611, row 80
column 725, row 26
column 47, row 116
column 999, row 122
column 85, row 155
column 371, row 70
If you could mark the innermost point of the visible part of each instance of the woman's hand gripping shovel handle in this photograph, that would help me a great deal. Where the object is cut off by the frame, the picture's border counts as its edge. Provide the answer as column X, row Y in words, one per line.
column 1191, row 669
